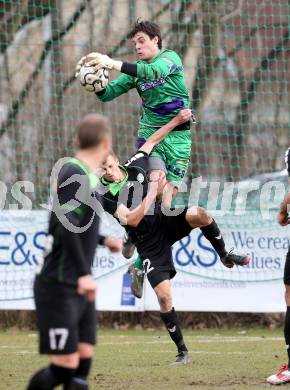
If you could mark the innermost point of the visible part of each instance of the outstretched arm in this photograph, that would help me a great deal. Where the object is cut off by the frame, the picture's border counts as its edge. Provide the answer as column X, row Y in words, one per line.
column 116, row 88
column 182, row 117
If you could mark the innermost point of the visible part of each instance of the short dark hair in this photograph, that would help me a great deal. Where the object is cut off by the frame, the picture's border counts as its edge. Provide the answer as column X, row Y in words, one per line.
column 113, row 154
column 92, row 130
column 147, row 27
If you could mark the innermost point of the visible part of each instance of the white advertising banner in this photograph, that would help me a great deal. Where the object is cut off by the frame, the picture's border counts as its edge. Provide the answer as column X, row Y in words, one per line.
column 202, row 283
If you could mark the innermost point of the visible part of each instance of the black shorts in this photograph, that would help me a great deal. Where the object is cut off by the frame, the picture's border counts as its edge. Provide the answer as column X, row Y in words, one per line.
column 64, row 318
column 156, row 251
column 287, row 269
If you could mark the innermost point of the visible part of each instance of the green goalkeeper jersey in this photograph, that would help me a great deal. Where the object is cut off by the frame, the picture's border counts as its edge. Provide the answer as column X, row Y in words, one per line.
column 161, row 86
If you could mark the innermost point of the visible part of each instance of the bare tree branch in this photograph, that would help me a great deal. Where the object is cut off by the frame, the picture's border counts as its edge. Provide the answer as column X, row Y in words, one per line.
column 236, row 12
column 201, row 72
column 12, row 19
column 182, row 29
column 56, row 117
column 20, row 100
column 248, row 92
column 53, row 126
column 206, row 64
column 265, row 63
column 108, row 20
column 58, row 35
column 132, row 11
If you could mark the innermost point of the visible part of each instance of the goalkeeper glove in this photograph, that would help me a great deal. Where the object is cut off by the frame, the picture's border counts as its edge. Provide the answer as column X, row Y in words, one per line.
column 98, row 61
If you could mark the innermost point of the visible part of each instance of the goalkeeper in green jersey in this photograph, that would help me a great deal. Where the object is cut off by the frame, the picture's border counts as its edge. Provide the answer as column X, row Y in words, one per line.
column 158, row 77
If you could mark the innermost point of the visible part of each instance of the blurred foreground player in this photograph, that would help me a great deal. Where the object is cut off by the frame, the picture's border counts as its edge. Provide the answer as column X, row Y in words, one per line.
column 64, row 290
column 283, row 218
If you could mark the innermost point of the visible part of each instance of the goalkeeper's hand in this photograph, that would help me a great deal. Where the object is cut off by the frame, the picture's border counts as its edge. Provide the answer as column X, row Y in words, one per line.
column 98, row 61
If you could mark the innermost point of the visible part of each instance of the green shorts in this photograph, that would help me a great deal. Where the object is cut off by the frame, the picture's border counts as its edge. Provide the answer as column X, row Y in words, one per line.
column 174, row 150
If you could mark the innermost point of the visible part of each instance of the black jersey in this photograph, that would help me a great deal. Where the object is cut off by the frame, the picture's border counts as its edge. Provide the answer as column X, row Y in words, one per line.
column 130, row 192
column 73, row 226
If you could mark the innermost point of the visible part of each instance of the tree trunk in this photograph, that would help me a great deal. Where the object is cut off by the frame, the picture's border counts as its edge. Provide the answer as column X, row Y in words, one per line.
column 240, row 156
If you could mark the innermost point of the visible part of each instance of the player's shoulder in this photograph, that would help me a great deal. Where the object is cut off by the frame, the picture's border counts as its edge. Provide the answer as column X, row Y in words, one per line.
column 73, row 166
column 74, row 174
column 170, row 55
column 68, row 170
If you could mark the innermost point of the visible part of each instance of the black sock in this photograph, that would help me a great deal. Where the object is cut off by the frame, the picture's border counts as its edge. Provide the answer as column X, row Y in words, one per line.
column 172, row 325
column 213, row 234
column 76, row 384
column 49, row 377
column 63, row 374
column 83, row 368
column 287, row 333
column 79, row 380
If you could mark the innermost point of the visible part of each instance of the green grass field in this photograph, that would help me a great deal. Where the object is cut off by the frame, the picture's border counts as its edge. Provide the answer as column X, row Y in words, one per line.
column 234, row 359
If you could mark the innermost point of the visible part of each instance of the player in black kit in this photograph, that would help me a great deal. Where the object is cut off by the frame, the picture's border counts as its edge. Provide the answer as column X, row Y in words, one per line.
column 130, row 197
column 64, row 290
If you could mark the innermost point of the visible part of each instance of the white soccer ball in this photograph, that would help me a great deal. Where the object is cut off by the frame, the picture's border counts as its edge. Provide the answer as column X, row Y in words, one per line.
column 93, row 81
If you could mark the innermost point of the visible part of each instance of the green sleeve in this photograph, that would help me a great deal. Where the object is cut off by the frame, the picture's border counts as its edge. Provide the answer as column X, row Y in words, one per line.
column 117, row 87
column 162, row 67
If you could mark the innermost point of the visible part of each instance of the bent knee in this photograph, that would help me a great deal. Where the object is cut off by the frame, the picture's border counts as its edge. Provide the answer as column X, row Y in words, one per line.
column 165, row 301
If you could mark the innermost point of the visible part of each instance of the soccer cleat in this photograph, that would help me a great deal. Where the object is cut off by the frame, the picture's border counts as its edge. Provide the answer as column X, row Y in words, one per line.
column 137, row 281
column 283, row 376
column 128, row 247
column 230, row 259
column 181, row 358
